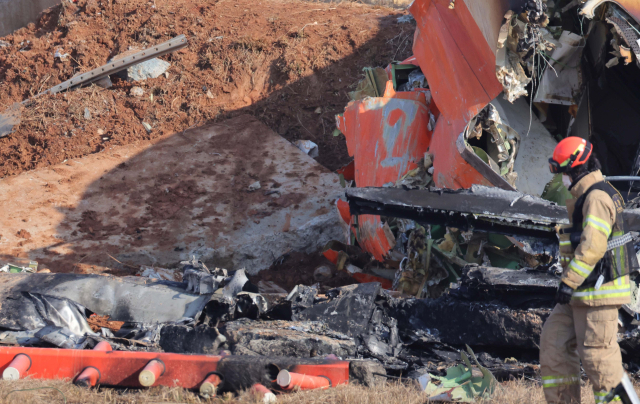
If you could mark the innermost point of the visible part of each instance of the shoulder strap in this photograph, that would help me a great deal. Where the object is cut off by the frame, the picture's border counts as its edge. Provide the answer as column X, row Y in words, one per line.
column 617, row 199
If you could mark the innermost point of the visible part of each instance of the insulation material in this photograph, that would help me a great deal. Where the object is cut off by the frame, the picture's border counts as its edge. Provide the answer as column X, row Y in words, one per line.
column 562, row 80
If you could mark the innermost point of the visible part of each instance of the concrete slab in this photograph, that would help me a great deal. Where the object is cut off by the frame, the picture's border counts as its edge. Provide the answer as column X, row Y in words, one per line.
column 163, row 201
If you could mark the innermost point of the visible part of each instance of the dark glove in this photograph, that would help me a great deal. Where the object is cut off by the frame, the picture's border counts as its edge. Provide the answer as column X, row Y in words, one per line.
column 563, row 294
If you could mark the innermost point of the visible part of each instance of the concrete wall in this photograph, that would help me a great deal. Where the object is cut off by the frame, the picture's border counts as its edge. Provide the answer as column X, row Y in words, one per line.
column 16, row 14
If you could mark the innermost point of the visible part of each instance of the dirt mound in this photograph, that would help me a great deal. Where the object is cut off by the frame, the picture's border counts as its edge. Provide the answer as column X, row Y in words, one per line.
column 289, row 63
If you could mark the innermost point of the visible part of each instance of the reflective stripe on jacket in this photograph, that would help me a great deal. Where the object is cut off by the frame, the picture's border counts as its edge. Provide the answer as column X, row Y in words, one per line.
column 599, row 223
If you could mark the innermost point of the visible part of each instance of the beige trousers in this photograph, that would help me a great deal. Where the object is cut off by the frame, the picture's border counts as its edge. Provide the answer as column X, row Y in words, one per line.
column 572, row 334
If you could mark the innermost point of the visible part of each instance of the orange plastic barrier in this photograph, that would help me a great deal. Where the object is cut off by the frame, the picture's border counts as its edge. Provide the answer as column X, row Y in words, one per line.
column 151, row 373
column 290, row 380
column 210, row 385
column 267, row 395
column 90, row 376
column 17, row 368
column 125, row 368
column 117, row 368
column 337, row 372
column 103, row 346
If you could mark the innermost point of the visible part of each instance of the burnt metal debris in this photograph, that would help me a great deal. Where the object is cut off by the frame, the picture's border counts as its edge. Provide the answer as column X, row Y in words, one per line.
column 363, row 321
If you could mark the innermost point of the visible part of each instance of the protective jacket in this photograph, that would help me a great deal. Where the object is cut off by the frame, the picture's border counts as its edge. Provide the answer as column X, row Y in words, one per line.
column 601, row 219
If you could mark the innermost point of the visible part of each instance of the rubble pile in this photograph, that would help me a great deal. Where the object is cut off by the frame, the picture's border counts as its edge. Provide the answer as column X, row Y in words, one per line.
column 363, row 321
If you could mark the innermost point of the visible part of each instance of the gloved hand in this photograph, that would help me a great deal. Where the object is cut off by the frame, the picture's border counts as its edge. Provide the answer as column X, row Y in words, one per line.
column 563, row 294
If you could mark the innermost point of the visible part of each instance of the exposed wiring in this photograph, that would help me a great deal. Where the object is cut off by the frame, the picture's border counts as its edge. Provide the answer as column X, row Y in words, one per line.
column 533, row 79
column 560, row 63
column 549, row 64
column 39, row 388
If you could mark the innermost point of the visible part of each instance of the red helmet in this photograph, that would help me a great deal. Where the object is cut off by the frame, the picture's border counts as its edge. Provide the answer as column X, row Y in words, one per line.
column 569, row 153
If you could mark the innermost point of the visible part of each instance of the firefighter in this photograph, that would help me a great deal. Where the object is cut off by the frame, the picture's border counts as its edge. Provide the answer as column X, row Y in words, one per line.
column 595, row 282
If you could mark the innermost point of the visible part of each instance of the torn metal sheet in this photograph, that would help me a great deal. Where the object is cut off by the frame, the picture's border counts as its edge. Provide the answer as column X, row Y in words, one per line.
column 509, row 70
column 497, row 144
column 455, row 49
column 626, row 31
column 130, row 299
column 347, row 309
column 235, row 285
column 61, row 337
column 561, row 82
column 454, row 52
column 373, row 84
column 386, row 137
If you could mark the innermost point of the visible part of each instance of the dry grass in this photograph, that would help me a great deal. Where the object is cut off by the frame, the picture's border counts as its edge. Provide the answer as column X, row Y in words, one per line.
column 515, row 392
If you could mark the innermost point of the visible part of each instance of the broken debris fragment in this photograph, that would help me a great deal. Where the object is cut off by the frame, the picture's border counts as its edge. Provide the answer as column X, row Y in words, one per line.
column 136, row 91
column 461, row 384
column 308, row 147
column 147, row 70
column 254, row 186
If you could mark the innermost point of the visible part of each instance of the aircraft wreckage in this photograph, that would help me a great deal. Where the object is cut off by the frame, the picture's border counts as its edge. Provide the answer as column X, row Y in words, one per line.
column 449, row 215
column 491, row 88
